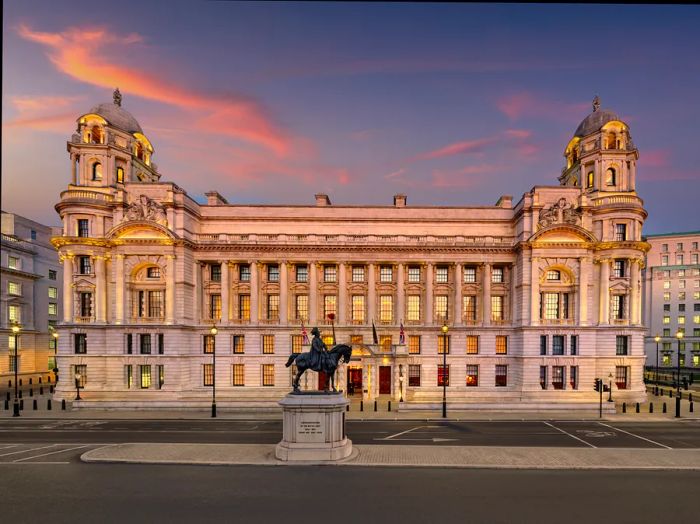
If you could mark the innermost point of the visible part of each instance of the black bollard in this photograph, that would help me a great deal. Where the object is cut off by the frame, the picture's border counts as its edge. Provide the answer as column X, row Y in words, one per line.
column 9, row 384
column 624, row 407
column 670, row 393
column 63, row 404
column 21, row 405
column 347, row 407
column 389, row 406
column 690, row 397
column 656, row 391
column 7, row 405
column 637, row 408
column 651, row 407
column 8, row 395
column 375, row 405
column 35, row 406
column 30, row 381
column 50, row 389
column 39, row 380
column 20, row 382
column 362, row 405
column 20, row 393
column 663, row 410
column 48, row 404
column 691, row 407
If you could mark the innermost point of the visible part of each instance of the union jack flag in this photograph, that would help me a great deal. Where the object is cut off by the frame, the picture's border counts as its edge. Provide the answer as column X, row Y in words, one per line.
column 304, row 336
column 402, row 336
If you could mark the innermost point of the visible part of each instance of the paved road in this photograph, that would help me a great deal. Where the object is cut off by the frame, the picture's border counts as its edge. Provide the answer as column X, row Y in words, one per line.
column 131, row 493
column 591, row 434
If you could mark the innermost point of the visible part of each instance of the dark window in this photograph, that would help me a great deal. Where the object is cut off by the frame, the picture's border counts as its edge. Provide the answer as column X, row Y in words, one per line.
column 558, row 377
column 573, row 377
column 84, row 265
column 53, row 274
column 414, row 375
column 244, row 272
column 145, row 343
column 161, row 343
column 557, row 344
column 543, row 377
column 501, row 375
column 573, row 349
column 273, row 273
column 543, row 344
column 85, row 304
column 621, row 342
column 620, row 232
column 302, row 273
column 80, row 343
column 153, row 272
column 97, row 171
column 129, row 344
column 33, row 234
column 83, row 227
column 215, row 272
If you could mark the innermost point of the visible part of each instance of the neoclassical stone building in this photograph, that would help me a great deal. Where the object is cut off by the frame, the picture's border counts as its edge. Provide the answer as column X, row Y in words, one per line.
column 539, row 297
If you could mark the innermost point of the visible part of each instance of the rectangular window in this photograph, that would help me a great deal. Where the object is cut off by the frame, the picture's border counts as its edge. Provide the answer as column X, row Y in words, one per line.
column 13, row 314
column 543, row 377
column 156, row 304
column 385, row 343
column 497, row 275
column 208, row 343
column 297, row 343
column 443, row 344
column 469, row 303
column 413, row 308
column 358, row 308
column 13, row 262
column 153, row 272
column 129, row 343
column 413, row 274
column 694, row 258
column 386, row 274
column 386, row 309
column 496, row 307
column 358, row 273
column 440, row 308
column 618, row 307
column 161, row 375
column 85, row 305
column 443, row 375
column 53, row 307
column 215, row 272
column 80, row 343
column 472, row 375
column 273, row 307
column 84, row 265
column 273, row 273
column 441, row 274
column 302, row 307
column 268, row 344
column 53, row 274
column 621, row 376
column 53, row 292
column 244, row 272
column 573, row 349
column 239, row 375
column 329, row 305
column 557, row 344
column 621, row 344
column 573, row 377
column 268, row 374
column 244, row 307
column 619, row 269
column 667, row 296
column 145, row 376
column 215, row 307
column 161, row 343
column 414, row 375
column 664, row 248
column 239, row 344
column 469, row 275
column 501, row 375
column 302, row 273
column 330, row 273
column 129, row 376
column 472, row 344
column 208, row 377
column 620, row 232
column 15, row 288
column 83, row 227
column 554, row 306
column 413, row 344
column 664, row 260
column 558, row 377
column 501, row 344
column 679, row 260
column 681, row 284
column 80, row 370
column 543, row 344
column 145, row 343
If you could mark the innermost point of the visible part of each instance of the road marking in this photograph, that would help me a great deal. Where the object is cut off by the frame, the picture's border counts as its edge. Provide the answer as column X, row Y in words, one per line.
column 9, row 446
column 572, row 436
column 434, row 439
column 403, row 432
column 27, row 450
column 50, row 453
column 638, row 436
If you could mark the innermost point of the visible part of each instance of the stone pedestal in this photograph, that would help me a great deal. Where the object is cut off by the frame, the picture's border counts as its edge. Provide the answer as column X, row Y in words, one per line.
column 313, row 427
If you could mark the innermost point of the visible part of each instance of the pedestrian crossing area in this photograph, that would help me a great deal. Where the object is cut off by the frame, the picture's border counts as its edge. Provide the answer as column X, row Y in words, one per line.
column 43, row 453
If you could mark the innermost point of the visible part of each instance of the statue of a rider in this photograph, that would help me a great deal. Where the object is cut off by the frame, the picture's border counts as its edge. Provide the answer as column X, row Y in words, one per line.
column 319, row 352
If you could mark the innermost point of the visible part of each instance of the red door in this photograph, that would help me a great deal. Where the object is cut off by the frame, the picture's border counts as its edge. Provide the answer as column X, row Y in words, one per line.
column 322, row 381
column 354, row 381
column 385, row 380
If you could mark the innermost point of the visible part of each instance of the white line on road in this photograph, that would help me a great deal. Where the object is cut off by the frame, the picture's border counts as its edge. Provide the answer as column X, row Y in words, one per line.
column 572, row 436
column 632, row 434
column 49, row 453
column 27, row 450
column 403, row 432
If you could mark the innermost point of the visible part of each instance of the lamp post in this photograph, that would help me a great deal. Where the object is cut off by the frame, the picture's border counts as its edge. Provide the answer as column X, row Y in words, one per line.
column 54, row 334
column 331, row 317
column 400, row 382
column 15, row 405
column 445, row 329
column 213, row 332
column 657, row 338
column 679, row 336
column 77, row 386
column 610, row 377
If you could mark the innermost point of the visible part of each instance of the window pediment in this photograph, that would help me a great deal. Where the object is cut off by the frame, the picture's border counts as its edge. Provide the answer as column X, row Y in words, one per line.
column 562, row 234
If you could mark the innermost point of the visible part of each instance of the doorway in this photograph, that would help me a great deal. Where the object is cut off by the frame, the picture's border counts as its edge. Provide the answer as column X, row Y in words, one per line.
column 354, row 381
column 385, row 380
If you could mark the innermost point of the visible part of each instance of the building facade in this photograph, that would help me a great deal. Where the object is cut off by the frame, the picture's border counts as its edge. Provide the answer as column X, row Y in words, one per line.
column 672, row 301
column 31, row 282
column 539, row 297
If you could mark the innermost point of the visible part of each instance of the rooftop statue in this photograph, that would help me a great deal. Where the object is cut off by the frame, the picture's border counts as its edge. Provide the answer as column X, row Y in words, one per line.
column 320, row 358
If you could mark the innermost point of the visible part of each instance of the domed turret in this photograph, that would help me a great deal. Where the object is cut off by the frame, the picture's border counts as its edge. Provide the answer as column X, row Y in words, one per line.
column 116, row 116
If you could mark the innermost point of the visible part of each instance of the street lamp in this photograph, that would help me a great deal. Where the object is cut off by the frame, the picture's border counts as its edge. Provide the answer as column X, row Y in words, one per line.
column 679, row 336
column 15, row 405
column 445, row 329
column 77, row 385
column 54, row 334
column 213, row 332
column 610, row 377
column 657, row 338
column 400, row 382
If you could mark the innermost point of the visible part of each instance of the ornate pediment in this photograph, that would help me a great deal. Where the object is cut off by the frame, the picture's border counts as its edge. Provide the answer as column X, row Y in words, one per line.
column 141, row 230
column 563, row 234
column 145, row 209
column 561, row 212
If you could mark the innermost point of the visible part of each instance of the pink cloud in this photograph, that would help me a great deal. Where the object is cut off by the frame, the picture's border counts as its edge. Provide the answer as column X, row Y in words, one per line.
column 458, row 148
column 43, row 113
column 526, row 104
column 655, row 158
column 515, row 139
column 80, row 54
column 395, row 174
column 468, row 176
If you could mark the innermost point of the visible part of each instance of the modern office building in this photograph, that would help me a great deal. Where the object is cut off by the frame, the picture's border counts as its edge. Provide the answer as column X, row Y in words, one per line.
column 31, row 281
column 539, row 297
column 671, row 302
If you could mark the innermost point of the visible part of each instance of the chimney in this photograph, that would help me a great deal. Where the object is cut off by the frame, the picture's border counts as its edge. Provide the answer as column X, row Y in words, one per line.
column 322, row 200
column 399, row 200
column 506, row 202
column 215, row 199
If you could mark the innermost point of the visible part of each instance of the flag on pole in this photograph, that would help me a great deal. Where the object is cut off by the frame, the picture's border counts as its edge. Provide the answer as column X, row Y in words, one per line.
column 402, row 336
column 304, row 336
column 374, row 333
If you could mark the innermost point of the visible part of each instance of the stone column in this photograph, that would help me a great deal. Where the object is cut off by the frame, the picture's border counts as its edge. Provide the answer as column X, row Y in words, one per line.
column 635, row 310
column 534, row 291
column 604, row 298
column 225, row 292
column 100, row 291
column 429, row 294
column 170, row 289
column 583, row 277
column 197, row 300
column 68, row 288
column 371, row 293
column 400, row 292
column 486, row 297
column 120, row 290
column 458, row 295
column 313, row 293
column 254, row 292
column 342, row 293
column 284, row 286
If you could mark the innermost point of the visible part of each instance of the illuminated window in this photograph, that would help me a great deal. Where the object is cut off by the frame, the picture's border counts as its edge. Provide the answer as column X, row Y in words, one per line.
column 386, row 274
column 15, row 288
column 554, row 274
column 611, row 177
column 356, row 339
column 696, row 319
column 244, row 272
column 244, row 307
column 497, row 275
column 145, row 376
column 13, row 314
column 215, row 306
column 413, row 310
column 12, row 262
column 589, row 179
column 667, row 319
column 441, row 274
column 679, row 260
column 620, row 232
column 497, row 308
column 666, row 359
column 97, row 171
column 472, row 344
column 358, row 273
column 329, row 305
column 268, row 374
column 558, row 377
column 386, row 308
column 469, row 274
column 120, row 175
column 414, row 344
column 302, row 307
column 667, row 284
column 273, row 307
column 330, row 273
column 618, row 307
column 621, row 376
column 472, row 375
column 273, row 273
column 208, row 343
column 440, row 308
column 543, row 377
column 664, row 248
column 208, row 377
column 469, row 306
column 443, row 341
column 667, row 296
column 239, row 374
column 681, row 284
column 80, row 370
column 414, row 375
column 619, row 269
column 358, row 308
column 681, row 272
column 501, row 344
column 80, row 343
column 297, row 343
column 83, row 227
column 501, row 375
column 443, row 375
column 239, row 344
column 664, row 260
column 268, row 344
column 554, row 306
column 413, row 274
column 681, row 320
column 385, row 343
column 215, row 272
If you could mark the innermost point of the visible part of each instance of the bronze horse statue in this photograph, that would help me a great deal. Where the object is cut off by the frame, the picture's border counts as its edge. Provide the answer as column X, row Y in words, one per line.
column 328, row 364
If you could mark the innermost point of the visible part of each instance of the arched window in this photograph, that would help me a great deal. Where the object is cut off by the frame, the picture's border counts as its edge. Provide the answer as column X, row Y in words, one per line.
column 554, row 274
column 557, row 292
column 610, row 177
column 589, row 179
column 97, row 171
column 96, row 136
column 120, row 175
column 611, row 142
column 138, row 150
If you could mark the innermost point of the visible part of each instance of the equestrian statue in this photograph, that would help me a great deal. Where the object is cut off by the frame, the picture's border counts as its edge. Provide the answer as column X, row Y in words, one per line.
column 320, row 358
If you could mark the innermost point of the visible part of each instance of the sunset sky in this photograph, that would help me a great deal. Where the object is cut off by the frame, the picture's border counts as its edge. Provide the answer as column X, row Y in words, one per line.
column 451, row 104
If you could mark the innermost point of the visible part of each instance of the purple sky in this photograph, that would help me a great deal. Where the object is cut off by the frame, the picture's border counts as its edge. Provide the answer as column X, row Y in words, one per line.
column 451, row 104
